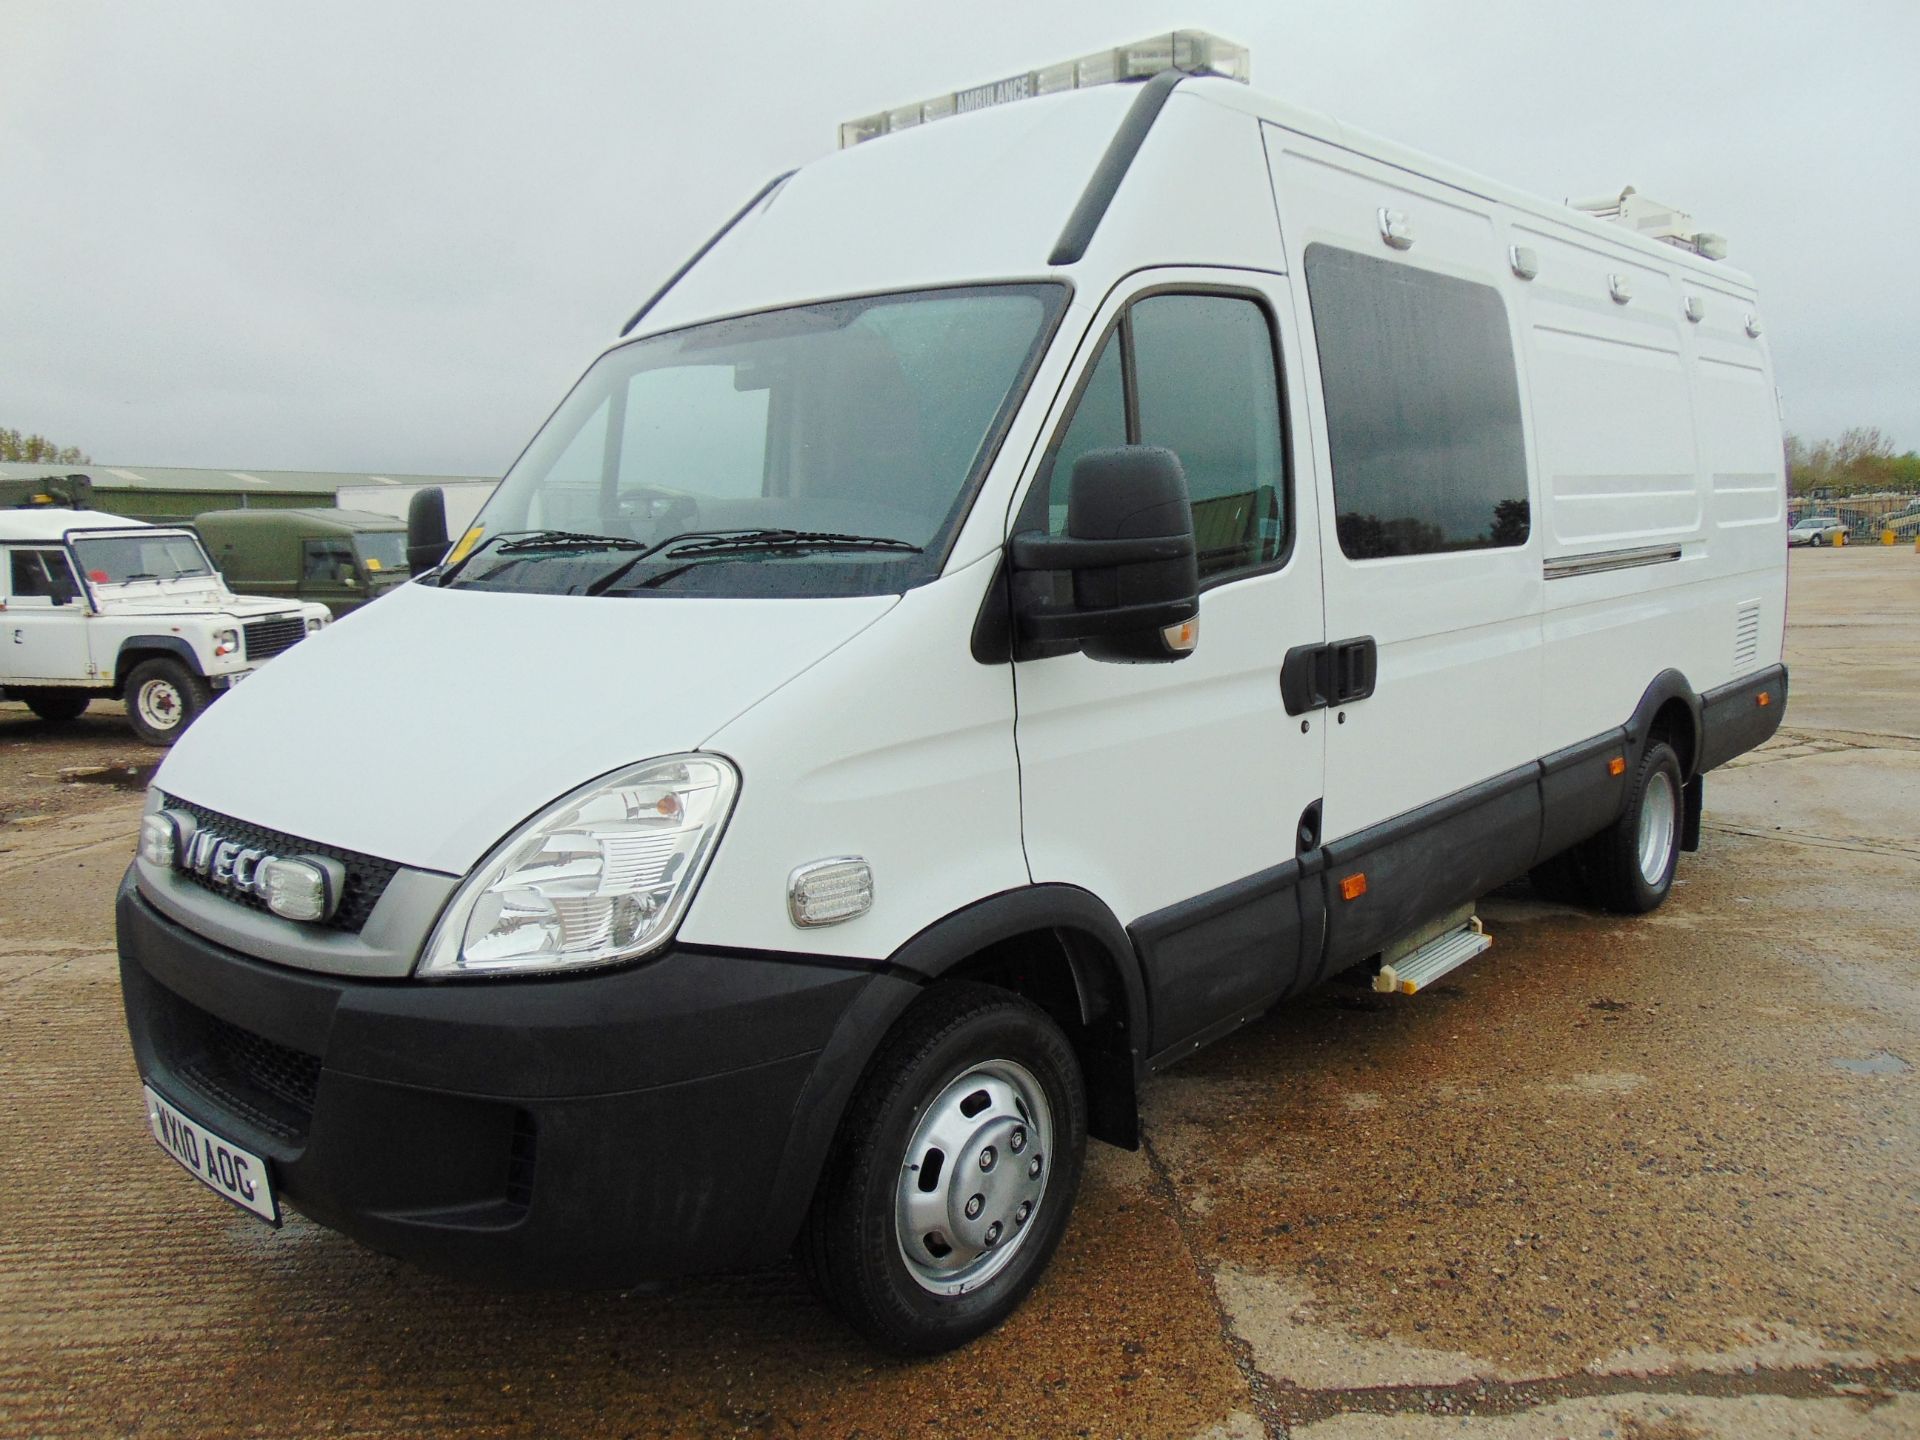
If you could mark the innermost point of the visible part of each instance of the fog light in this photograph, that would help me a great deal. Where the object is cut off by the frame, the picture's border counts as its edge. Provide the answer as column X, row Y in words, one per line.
column 829, row 891
column 304, row 889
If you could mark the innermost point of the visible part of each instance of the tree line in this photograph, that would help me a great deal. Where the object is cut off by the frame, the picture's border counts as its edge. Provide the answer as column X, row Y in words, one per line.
column 37, row 450
column 1861, row 461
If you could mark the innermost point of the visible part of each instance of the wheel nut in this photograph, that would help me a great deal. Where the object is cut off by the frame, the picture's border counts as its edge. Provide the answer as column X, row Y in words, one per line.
column 987, row 1157
column 992, row 1236
column 1020, row 1215
column 1017, row 1141
column 1033, row 1168
column 975, row 1206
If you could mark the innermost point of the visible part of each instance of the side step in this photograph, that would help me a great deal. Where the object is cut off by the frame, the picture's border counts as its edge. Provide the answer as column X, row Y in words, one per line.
column 1447, row 952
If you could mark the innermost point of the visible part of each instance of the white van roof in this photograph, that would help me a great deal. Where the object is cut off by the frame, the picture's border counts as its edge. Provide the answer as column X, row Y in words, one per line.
column 51, row 523
column 986, row 196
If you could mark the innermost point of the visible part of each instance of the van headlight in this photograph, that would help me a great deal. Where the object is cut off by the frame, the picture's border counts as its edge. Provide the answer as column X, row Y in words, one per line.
column 600, row 876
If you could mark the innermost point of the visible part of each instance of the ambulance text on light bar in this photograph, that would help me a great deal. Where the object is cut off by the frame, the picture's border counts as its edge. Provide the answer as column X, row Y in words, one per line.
column 1194, row 51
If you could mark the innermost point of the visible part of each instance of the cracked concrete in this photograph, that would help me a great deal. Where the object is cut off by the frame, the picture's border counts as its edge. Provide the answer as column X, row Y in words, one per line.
column 1617, row 1179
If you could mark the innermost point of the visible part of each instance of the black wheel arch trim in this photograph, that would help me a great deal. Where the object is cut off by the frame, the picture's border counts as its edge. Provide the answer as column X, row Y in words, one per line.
column 137, row 648
column 1666, row 686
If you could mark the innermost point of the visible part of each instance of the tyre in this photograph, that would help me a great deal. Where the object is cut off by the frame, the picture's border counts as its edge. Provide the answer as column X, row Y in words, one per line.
column 953, row 1174
column 57, row 707
column 163, row 698
column 1629, row 866
column 1817, row 540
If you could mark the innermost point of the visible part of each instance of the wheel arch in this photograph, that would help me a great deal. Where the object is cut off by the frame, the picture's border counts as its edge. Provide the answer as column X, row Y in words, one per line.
column 1058, row 946
column 137, row 648
column 1670, row 709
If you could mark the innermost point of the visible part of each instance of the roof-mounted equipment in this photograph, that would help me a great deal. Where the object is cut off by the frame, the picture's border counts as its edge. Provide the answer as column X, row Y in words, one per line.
column 1662, row 222
column 1194, row 52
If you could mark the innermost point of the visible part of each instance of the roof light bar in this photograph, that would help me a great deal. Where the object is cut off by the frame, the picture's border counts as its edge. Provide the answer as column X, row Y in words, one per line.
column 1194, row 51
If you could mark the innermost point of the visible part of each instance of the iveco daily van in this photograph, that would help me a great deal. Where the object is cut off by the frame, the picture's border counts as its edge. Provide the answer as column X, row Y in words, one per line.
column 1039, row 587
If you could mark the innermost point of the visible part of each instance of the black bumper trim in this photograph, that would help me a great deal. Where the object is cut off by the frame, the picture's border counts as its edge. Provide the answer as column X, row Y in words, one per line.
column 594, row 1131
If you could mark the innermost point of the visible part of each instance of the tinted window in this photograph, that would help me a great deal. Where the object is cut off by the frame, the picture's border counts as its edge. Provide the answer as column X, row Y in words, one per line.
column 1207, row 391
column 42, row 575
column 1205, row 387
column 326, row 559
column 1423, row 408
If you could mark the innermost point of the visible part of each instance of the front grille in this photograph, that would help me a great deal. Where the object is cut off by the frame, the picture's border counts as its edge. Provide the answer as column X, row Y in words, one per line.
column 270, row 637
column 367, row 875
column 266, row 1083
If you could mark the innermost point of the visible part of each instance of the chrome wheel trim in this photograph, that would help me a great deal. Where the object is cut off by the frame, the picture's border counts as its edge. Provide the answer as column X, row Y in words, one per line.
column 960, row 1218
column 160, row 704
column 1657, row 812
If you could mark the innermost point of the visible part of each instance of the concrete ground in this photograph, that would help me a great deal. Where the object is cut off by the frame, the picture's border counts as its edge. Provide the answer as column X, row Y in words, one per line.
column 1654, row 1179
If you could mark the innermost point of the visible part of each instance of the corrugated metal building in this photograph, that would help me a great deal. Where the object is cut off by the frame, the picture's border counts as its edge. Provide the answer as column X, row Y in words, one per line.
column 174, row 493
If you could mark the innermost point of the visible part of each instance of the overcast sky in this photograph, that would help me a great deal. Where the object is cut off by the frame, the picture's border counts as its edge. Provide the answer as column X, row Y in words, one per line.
column 387, row 236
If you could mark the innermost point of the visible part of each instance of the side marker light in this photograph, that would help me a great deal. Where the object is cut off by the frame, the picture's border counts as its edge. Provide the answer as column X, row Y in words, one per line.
column 1352, row 887
column 1617, row 765
column 1763, row 698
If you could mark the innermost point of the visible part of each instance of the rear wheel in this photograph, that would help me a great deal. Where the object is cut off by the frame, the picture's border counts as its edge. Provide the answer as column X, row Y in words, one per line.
column 1818, row 539
column 163, row 698
column 57, row 707
column 1629, row 866
column 954, row 1172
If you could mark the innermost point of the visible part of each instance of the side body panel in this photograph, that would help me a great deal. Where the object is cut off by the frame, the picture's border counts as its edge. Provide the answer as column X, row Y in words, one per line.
column 1457, row 690
column 39, row 640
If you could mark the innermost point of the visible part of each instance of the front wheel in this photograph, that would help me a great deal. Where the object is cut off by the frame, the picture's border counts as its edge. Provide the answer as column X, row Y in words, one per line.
column 57, row 707
column 163, row 698
column 954, row 1172
column 1817, row 540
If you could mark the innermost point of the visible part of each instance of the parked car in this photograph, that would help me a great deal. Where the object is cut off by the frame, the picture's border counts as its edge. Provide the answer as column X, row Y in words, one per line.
column 1033, row 592
column 1817, row 530
column 337, row 558
column 95, row 606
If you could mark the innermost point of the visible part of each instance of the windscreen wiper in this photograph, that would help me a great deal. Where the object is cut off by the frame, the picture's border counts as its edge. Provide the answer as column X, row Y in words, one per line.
column 509, row 541
column 567, row 540
column 777, row 540
column 722, row 542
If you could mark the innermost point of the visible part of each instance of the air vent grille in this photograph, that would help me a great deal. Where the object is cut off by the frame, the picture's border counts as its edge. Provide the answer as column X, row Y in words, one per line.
column 1746, row 637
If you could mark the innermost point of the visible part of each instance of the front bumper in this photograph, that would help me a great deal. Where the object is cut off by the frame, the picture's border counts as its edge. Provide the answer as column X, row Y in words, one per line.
column 588, row 1131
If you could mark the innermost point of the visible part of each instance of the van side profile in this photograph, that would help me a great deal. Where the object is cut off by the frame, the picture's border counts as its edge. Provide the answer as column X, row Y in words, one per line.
column 1031, row 593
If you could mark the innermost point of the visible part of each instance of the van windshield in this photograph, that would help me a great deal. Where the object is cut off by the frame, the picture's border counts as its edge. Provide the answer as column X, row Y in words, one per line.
column 829, row 449
column 118, row 559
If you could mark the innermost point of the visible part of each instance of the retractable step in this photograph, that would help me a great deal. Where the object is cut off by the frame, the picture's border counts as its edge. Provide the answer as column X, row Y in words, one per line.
column 1419, row 966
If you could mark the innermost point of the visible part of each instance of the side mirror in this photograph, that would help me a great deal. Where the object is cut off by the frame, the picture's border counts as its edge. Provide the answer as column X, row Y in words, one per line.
column 1129, row 548
column 426, row 529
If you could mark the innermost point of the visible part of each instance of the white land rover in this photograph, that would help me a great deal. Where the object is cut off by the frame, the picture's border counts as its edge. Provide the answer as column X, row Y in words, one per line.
column 96, row 606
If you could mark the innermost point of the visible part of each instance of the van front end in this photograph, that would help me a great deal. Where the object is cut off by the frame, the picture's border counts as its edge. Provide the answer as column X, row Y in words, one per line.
column 592, row 1130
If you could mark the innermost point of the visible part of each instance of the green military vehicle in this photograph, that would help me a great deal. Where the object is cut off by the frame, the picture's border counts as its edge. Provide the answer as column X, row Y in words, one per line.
column 341, row 558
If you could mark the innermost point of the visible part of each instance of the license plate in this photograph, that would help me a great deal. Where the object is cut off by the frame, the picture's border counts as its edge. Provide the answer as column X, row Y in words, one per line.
column 220, row 1165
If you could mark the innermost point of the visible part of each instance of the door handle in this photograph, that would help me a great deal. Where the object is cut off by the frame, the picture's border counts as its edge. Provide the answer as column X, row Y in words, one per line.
column 1313, row 677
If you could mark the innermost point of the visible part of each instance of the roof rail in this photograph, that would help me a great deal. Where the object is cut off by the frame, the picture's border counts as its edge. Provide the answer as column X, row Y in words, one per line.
column 1112, row 169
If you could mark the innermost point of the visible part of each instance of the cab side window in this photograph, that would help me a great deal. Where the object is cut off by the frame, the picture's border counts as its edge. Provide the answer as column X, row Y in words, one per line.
column 43, row 576
column 1196, row 374
column 324, row 559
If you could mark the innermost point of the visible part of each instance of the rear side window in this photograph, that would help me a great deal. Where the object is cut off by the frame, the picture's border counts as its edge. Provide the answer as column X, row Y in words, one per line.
column 42, row 575
column 1196, row 374
column 1423, row 408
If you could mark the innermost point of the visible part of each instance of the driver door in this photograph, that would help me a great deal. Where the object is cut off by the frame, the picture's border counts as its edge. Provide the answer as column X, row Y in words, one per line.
column 45, row 618
column 1176, row 792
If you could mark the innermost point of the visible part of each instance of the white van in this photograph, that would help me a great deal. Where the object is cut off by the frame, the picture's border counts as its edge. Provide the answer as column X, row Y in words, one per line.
column 1035, row 591
column 98, row 607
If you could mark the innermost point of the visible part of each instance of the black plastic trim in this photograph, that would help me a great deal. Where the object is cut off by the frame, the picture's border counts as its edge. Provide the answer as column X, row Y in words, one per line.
column 1094, row 201
column 1667, row 685
column 135, row 648
column 712, row 240
column 1733, row 721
